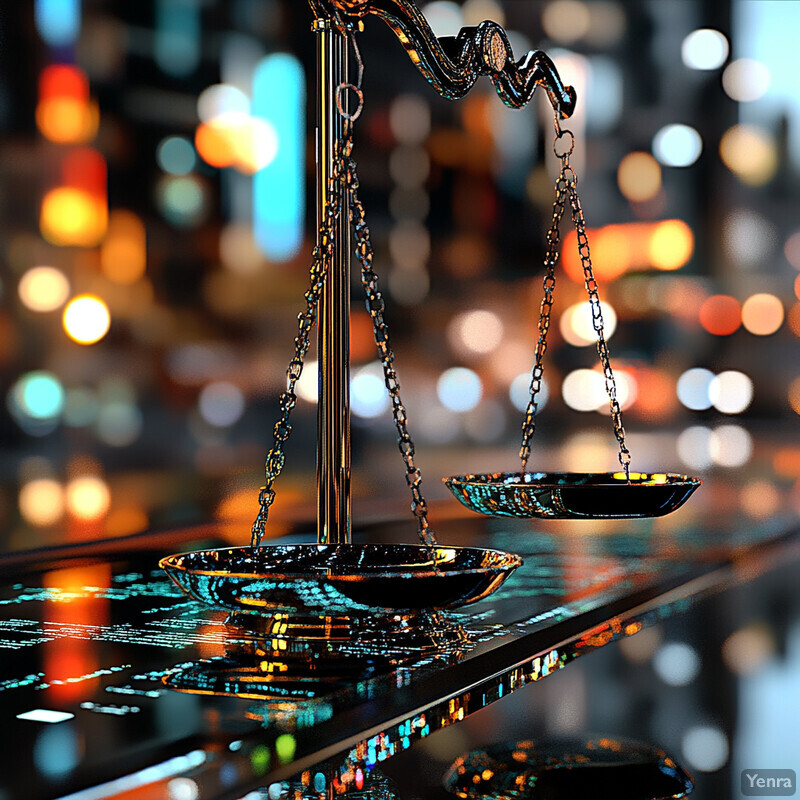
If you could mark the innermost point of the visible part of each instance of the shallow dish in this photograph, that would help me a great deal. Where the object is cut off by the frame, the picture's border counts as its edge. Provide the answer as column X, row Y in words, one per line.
column 573, row 495
column 342, row 579
column 597, row 767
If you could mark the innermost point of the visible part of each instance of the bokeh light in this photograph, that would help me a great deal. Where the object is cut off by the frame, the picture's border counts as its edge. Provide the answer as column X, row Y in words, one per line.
column 677, row 663
column 459, row 389
column 41, row 502
column 749, row 153
column 182, row 200
column 705, row 49
column 566, row 21
column 584, row 390
column 693, row 386
column 38, row 395
column 221, row 403
column 476, row 11
column 671, row 245
column 748, row 237
column 706, row 748
column 88, row 497
column 118, row 423
column 410, row 119
column 694, row 447
column 731, row 446
column 577, row 327
column 369, row 397
column 519, row 392
column 478, row 331
column 176, row 155
column 677, row 145
column 307, row 386
column 762, row 314
column 43, row 289
column 219, row 99
column 746, row 80
column 791, row 249
column 749, row 649
column 639, row 177
column 86, row 319
column 731, row 392
column 72, row 217
column 760, row 499
column 444, row 17
column 123, row 255
column 794, row 395
column 721, row 314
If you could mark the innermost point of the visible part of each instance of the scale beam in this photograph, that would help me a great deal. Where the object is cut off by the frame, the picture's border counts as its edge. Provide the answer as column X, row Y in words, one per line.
column 453, row 64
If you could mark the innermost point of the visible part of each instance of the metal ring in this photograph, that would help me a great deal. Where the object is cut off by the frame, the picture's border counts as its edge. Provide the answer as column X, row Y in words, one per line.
column 359, row 94
column 558, row 137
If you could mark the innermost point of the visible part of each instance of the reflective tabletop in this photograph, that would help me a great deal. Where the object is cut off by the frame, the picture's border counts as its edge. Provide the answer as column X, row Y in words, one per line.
column 112, row 679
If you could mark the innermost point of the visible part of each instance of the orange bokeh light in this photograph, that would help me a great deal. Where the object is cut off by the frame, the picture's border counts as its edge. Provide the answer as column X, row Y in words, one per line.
column 65, row 114
column 655, row 398
column 123, row 256
column 65, row 120
column 72, row 217
column 617, row 249
column 721, row 314
column 793, row 319
column 671, row 244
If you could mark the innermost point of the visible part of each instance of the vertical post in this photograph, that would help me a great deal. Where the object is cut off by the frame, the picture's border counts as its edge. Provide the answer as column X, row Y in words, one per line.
column 333, row 409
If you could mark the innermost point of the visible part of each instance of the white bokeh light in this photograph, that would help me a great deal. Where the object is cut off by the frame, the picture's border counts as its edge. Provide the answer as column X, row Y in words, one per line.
column 676, row 663
column 221, row 403
column 584, row 390
column 577, row 327
column 746, row 80
column 677, row 145
column 731, row 446
column 459, row 389
column 731, row 392
column 705, row 748
column 705, row 49
column 520, row 392
column 307, row 386
column 694, row 447
column 368, row 395
column 693, row 388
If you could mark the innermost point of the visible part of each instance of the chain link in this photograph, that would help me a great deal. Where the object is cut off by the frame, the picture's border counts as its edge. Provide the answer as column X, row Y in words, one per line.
column 320, row 261
column 545, row 309
column 376, row 306
column 566, row 189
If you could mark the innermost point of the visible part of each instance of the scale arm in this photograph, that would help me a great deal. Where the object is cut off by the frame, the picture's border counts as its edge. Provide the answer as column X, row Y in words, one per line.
column 453, row 64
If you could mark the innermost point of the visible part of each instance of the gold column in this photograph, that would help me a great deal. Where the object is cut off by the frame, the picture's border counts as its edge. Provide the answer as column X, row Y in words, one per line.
column 333, row 410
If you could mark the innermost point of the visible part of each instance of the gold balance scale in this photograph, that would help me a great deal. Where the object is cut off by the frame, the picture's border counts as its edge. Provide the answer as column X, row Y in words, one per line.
column 388, row 598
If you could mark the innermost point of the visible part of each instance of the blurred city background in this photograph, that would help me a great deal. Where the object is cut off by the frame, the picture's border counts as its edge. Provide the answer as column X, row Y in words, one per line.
column 157, row 215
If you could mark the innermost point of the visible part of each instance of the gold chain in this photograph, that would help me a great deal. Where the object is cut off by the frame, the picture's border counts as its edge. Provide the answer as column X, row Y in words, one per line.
column 566, row 188
column 376, row 306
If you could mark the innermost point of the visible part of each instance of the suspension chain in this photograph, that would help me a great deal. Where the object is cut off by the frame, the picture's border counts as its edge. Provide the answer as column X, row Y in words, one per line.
column 566, row 188
column 545, row 309
column 376, row 306
column 320, row 261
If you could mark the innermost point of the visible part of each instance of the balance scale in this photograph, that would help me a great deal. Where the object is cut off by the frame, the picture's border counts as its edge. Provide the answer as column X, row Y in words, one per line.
column 333, row 593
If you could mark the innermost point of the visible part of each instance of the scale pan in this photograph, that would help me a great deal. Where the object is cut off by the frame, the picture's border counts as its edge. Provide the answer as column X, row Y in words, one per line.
column 340, row 579
column 573, row 495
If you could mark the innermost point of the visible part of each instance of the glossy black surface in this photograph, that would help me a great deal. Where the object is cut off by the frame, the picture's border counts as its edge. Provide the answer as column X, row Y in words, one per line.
column 573, row 495
column 107, row 640
column 597, row 767
column 355, row 580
